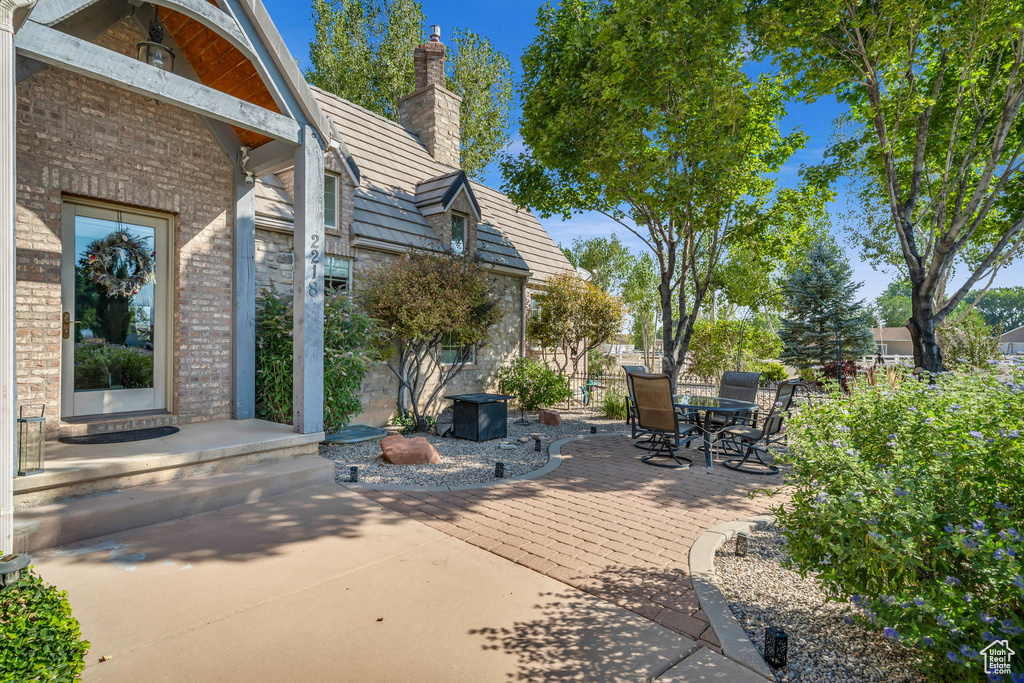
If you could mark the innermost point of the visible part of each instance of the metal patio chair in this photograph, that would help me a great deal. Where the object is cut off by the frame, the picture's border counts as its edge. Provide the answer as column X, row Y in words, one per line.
column 658, row 418
column 741, row 386
column 784, row 395
column 631, row 370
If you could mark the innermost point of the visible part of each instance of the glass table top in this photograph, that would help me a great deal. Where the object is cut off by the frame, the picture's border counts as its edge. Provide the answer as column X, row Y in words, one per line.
column 713, row 402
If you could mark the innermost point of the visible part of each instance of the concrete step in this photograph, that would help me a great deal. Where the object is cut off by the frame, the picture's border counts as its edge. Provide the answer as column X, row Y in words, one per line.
column 81, row 518
column 198, row 450
column 118, row 422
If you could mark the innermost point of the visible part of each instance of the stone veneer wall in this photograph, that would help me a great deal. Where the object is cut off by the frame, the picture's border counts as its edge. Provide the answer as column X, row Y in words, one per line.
column 442, row 223
column 81, row 137
column 380, row 387
column 433, row 115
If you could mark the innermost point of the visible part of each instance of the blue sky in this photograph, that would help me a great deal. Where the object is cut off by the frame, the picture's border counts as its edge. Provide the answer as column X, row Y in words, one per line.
column 511, row 26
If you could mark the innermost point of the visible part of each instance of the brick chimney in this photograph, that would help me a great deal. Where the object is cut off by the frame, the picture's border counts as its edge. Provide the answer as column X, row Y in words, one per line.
column 432, row 111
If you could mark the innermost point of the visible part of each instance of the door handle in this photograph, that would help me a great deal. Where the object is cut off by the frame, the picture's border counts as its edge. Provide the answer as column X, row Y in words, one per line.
column 66, row 323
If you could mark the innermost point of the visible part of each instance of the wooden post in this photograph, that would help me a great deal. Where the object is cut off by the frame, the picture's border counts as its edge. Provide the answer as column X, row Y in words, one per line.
column 244, row 271
column 308, row 306
column 8, row 361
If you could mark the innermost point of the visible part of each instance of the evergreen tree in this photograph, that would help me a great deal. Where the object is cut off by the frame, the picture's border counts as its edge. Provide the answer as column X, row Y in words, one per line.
column 819, row 296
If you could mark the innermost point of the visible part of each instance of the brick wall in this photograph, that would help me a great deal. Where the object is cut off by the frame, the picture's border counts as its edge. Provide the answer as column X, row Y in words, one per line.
column 81, row 137
column 433, row 115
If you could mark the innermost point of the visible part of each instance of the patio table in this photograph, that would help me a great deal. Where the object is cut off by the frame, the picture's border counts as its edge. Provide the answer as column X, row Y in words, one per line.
column 712, row 404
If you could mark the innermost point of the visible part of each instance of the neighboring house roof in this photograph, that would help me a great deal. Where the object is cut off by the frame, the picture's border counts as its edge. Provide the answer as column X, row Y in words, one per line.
column 393, row 163
column 891, row 334
column 1014, row 335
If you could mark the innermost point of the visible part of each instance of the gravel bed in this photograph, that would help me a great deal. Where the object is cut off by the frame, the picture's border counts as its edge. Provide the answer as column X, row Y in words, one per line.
column 823, row 646
column 467, row 462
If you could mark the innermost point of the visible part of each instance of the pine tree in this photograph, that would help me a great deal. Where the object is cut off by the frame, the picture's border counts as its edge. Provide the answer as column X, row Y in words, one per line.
column 818, row 296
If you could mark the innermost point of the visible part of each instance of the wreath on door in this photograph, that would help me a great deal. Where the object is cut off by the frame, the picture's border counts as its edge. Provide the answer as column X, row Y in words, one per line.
column 120, row 264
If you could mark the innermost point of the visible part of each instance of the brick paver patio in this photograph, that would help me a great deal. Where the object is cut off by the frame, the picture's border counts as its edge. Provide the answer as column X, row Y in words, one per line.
column 602, row 522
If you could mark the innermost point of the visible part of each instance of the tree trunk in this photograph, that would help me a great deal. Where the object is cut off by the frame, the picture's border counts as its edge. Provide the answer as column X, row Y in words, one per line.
column 922, row 324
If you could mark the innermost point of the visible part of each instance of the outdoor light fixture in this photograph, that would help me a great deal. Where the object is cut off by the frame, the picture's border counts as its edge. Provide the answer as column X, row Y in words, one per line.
column 353, row 474
column 536, row 444
column 499, row 470
column 593, row 430
column 776, row 644
column 31, row 440
column 741, row 543
column 152, row 51
column 10, row 568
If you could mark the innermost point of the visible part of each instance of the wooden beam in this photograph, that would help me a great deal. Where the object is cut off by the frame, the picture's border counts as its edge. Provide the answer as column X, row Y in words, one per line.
column 244, row 271
column 64, row 51
column 270, row 158
column 308, row 292
column 50, row 12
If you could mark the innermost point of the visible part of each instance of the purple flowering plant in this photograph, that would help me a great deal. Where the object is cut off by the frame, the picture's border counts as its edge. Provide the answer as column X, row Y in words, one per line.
column 932, row 548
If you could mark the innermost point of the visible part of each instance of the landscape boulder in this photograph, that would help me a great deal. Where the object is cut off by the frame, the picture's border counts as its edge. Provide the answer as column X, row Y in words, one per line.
column 399, row 450
column 550, row 418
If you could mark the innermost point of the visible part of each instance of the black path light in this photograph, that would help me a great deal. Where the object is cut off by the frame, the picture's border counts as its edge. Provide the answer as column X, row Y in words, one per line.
column 353, row 474
column 499, row 470
column 742, row 539
column 10, row 568
column 776, row 646
column 536, row 443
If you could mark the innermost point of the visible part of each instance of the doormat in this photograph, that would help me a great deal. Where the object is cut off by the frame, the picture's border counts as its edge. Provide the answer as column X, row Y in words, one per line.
column 356, row 433
column 119, row 437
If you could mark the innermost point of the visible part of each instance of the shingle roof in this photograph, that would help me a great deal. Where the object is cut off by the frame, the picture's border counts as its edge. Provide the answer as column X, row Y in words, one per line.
column 393, row 162
column 891, row 334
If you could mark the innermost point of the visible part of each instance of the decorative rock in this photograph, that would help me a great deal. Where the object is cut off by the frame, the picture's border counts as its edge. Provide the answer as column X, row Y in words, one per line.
column 507, row 447
column 523, row 439
column 550, row 418
column 416, row 451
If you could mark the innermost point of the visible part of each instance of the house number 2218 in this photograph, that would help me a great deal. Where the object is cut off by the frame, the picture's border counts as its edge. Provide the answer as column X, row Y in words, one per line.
column 314, row 259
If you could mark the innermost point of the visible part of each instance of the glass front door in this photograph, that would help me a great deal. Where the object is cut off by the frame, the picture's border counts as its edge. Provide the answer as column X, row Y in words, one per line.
column 115, row 320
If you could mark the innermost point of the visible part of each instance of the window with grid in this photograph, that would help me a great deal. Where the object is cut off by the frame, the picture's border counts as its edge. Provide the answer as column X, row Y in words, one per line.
column 337, row 274
column 452, row 353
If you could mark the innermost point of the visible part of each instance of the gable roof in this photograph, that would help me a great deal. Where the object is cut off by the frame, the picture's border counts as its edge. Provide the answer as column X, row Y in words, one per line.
column 393, row 162
column 437, row 195
column 891, row 334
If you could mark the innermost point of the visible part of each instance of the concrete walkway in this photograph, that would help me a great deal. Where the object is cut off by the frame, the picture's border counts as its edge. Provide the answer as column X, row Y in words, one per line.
column 602, row 522
column 325, row 585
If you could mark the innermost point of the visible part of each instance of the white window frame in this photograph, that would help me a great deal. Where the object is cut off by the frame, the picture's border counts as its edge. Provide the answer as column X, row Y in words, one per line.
column 447, row 347
column 336, row 181
column 348, row 276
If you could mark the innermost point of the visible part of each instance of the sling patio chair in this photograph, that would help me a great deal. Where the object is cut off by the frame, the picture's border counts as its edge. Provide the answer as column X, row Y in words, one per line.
column 784, row 395
column 753, row 441
column 656, row 415
column 741, row 386
column 631, row 370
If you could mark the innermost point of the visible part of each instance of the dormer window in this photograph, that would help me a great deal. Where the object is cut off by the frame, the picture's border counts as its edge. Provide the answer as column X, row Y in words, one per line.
column 458, row 234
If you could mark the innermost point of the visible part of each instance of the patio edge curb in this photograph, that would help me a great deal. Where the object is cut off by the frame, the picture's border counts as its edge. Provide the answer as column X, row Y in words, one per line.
column 735, row 643
column 553, row 463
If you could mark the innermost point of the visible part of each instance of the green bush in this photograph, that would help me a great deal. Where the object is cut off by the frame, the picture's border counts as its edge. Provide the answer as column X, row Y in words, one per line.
column 39, row 638
column 613, row 406
column 770, row 371
column 99, row 365
column 348, row 338
column 533, row 384
column 908, row 498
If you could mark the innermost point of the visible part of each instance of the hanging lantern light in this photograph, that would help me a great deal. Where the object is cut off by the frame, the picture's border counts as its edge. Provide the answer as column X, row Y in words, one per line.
column 152, row 51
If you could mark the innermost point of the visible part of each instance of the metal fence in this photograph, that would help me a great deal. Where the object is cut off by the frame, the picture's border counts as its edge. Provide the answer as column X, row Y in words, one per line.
column 589, row 392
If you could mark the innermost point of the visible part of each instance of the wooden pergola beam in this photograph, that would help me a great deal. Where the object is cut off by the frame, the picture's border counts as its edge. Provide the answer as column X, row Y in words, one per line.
column 67, row 52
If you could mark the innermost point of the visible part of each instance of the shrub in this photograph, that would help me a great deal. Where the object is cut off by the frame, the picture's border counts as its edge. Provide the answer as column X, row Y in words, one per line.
column 348, row 336
column 613, row 406
column 847, row 372
column 770, row 371
column 909, row 499
column 39, row 638
column 99, row 365
column 534, row 385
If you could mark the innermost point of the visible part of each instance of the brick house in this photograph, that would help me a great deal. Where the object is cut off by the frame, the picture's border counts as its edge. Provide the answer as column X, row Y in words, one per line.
column 185, row 129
